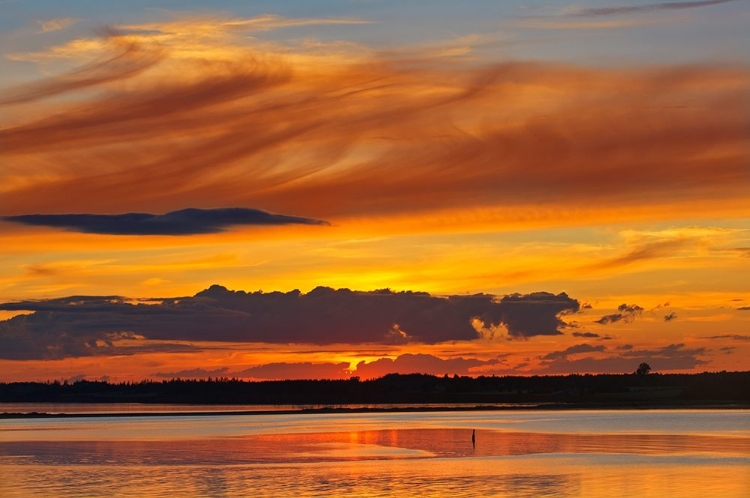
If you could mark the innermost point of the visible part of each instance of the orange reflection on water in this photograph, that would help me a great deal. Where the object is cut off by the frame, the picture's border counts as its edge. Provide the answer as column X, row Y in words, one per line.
column 457, row 442
column 432, row 462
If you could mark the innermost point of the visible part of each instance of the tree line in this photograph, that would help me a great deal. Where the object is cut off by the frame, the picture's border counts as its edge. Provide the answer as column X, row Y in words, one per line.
column 642, row 388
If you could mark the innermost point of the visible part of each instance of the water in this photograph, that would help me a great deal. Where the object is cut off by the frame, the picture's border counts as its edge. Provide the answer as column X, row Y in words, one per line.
column 131, row 408
column 518, row 453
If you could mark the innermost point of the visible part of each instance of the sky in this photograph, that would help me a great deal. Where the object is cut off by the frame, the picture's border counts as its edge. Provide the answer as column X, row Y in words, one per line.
column 276, row 190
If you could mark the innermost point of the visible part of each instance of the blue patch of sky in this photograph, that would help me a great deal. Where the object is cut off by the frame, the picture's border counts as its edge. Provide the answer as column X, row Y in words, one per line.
column 715, row 33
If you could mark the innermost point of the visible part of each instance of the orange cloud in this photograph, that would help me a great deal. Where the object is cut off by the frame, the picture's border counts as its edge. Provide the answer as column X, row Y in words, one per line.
column 331, row 137
column 128, row 60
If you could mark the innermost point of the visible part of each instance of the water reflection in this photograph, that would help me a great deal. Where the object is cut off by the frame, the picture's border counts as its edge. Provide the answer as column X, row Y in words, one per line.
column 532, row 476
column 154, row 408
column 364, row 445
column 681, row 422
column 404, row 461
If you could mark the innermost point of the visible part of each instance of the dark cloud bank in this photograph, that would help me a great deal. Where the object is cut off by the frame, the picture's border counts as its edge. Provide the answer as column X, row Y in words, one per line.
column 91, row 325
column 184, row 222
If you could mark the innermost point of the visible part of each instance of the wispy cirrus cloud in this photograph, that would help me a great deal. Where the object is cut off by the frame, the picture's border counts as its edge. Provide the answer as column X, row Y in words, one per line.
column 183, row 222
column 642, row 246
column 565, row 23
column 637, row 9
column 56, row 24
column 265, row 22
column 578, row 18
column 185, row 130
column 126, row 60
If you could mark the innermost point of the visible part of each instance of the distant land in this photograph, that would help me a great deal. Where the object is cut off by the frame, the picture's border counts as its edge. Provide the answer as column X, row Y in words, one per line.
column 719, row 389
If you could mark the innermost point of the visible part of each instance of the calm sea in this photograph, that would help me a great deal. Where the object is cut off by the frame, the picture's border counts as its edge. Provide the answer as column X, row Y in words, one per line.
column 673, row 453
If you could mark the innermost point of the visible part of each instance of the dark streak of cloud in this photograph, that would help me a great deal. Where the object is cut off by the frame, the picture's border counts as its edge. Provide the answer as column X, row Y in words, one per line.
column 578, row 348
column 669, row 317
column 637, row 9
column 671, row 350
column 734, row 337
column 586, row 335
column 184, row 222
column 646, row 252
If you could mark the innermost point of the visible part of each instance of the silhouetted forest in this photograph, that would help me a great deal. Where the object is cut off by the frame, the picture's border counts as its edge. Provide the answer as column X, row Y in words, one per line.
column 577, row 390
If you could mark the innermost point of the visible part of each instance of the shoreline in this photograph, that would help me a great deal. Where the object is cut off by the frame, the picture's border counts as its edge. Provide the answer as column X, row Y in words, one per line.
column 409, row 409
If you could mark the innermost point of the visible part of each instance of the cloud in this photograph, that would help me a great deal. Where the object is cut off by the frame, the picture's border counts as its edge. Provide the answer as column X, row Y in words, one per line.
column 183, row 222
column 626, row 313
column 653, row 250
column 56, row 24
column 744, row 308
column 647, row 245
column 293, row 371
column 403, row 364
column 194, row 373
column 669, row 317
column 578, row 348
column 637, row 9
column 727, row 349
column 126, row 61
column 630, row 309
column 195, row 113
column 671, row 357
column 735, row 337
column 92, row 325
column 265, row 22
column 49, row 335
column 527, row 315
column 585, row 334
column 419, row 363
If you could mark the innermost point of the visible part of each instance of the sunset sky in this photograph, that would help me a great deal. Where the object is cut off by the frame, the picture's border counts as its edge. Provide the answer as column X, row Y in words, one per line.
column 274, row 190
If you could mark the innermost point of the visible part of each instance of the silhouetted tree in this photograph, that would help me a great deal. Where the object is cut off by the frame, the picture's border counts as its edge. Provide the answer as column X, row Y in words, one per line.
column 397, row 388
